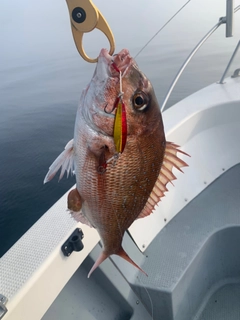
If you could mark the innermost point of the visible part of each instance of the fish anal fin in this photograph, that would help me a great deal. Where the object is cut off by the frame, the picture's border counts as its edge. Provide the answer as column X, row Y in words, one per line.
column 79, row 217
column 64, row 160
column 170, row 161
column 121, row 253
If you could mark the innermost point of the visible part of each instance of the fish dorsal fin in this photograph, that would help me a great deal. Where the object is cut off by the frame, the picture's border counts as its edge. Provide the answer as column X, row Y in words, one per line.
column 64, row 160
column 170, row 161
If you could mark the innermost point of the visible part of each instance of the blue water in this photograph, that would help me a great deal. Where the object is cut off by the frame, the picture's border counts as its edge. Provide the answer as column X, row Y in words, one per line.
column 42, row 76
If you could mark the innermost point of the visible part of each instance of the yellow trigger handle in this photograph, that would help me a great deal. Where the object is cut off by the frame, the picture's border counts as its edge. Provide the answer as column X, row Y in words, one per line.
column 85, row 17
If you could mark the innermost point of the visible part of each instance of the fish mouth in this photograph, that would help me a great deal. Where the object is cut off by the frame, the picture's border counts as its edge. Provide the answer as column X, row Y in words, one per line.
column 117, row 63
column 105, row 85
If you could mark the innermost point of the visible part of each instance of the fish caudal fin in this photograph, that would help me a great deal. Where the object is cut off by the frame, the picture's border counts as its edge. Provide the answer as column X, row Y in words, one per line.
column 121, row 253
column 64, row 160
column 170, row 161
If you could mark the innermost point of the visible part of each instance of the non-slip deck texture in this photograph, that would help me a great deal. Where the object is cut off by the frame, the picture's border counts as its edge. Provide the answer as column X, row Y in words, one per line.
column 223, row 304
column 25, row 257
column 195, row 252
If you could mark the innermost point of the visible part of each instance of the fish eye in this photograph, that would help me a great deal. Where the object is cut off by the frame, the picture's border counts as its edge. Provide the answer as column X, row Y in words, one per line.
column 140, row 100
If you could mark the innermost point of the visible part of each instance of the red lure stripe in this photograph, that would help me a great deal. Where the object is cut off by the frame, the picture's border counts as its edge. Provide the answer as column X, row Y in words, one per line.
column 120, row 127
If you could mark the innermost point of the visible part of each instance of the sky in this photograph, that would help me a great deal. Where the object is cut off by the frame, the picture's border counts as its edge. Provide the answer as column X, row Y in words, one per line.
column 39, row 28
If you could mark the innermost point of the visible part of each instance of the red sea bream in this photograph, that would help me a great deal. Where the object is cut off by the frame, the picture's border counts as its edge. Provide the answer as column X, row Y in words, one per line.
column 119, row 153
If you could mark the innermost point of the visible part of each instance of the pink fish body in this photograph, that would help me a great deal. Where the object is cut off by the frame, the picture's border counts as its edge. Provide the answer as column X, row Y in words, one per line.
column 113, row 189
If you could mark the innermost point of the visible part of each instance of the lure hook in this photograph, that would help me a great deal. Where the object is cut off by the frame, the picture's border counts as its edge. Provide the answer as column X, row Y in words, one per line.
column 108, row 112
column 113, row 108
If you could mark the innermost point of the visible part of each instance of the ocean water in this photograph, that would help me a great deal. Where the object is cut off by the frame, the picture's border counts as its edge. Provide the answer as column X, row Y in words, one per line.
column 42, row 76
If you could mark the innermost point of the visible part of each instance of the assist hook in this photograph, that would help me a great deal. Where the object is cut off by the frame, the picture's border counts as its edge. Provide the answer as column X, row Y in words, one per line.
column 85, row 17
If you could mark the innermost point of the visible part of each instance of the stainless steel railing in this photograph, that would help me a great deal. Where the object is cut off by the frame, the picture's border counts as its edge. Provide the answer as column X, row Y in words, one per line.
column 222, row 20
column 229, row 63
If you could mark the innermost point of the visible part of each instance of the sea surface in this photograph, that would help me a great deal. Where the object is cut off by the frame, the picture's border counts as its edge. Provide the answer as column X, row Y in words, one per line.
column 42, row 76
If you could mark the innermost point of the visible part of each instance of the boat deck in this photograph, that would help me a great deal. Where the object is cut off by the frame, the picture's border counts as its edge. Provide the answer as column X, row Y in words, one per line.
column 193, row 268
column 194, row 263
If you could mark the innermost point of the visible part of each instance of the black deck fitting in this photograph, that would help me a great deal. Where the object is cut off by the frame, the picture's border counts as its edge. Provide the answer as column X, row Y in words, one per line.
column 73, row 243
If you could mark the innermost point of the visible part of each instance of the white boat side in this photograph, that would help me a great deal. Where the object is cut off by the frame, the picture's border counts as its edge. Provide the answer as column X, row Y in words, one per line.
column 34, row 270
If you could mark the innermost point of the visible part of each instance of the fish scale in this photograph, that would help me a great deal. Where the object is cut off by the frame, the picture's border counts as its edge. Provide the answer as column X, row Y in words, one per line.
column 114, row 189
column 115, row 184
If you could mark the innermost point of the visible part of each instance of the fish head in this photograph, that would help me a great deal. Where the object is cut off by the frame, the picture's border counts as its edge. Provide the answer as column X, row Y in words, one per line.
column 142, row 109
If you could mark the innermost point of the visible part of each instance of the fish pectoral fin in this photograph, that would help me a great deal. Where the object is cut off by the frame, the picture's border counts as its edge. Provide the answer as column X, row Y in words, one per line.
column 64, row 160
column 170, row 161
column 74, row 201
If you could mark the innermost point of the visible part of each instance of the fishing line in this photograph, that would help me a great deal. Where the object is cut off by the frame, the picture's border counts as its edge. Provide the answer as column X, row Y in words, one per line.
column 161, row 29
column 121, row 93
column 150, row 299
column 125, row 278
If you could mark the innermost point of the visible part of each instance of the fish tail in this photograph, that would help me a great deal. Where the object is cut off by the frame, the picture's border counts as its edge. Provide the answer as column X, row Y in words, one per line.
column 103, row 256
column 121, row 253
